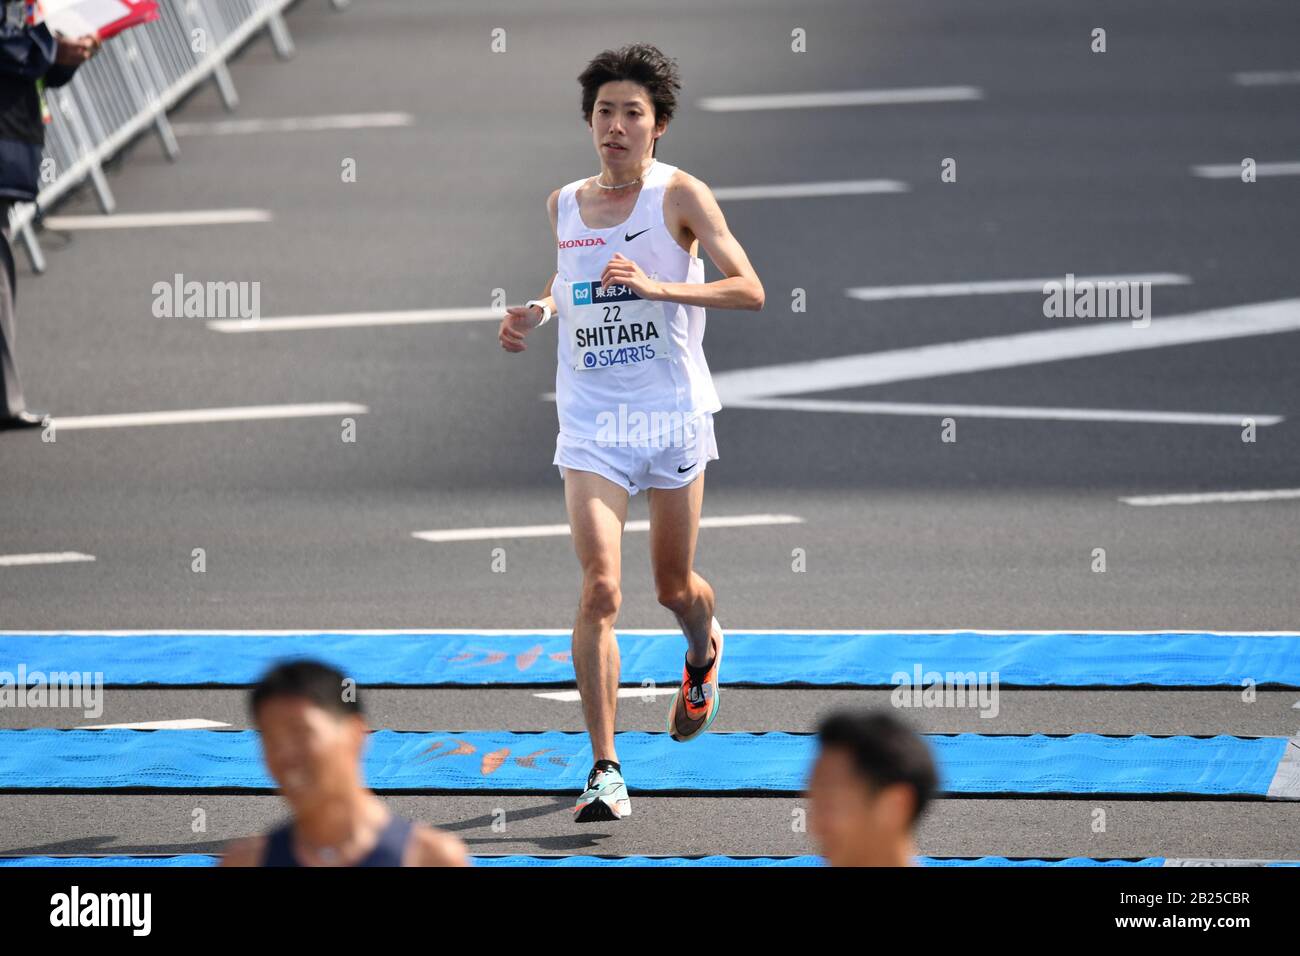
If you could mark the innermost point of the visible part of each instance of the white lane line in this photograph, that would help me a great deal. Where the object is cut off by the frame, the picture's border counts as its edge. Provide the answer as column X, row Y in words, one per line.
column 43, row 557
column 1003, row 411
column 342, row 320
column 848, row 187
column 1006, row 351
column 1233, row 170
column 1267, row 78
column 184, row 723
column 1214, row 497
column 570, row 696
column 558, row 530
column 565, row 631
column 1286, row 781
column 811, row 100
column 999, row 286
column 293, row 124
column 139, row 220
column 190, row 416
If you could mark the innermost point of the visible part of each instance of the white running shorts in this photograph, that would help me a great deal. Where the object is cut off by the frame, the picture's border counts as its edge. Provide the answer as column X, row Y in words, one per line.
column 673, row 463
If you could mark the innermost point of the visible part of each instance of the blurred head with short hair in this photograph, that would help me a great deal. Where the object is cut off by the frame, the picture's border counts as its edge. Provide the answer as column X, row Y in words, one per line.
column 312, row 732
column 872, row 779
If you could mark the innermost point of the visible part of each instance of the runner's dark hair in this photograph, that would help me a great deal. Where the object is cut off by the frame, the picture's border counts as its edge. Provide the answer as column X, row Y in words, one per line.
column 641, row 63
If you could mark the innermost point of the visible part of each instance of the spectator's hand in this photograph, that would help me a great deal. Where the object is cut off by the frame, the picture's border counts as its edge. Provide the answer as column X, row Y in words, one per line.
column 78, row 51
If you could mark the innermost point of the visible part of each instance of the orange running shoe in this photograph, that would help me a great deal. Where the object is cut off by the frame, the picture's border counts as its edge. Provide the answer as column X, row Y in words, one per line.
column 695, row 705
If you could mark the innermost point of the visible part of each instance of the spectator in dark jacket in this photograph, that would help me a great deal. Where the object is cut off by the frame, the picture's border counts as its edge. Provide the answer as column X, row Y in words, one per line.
column 31, row 58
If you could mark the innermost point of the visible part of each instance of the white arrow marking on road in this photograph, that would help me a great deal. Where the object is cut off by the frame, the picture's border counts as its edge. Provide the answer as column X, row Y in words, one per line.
column 1005, row 351
column 184, row 723
column 569, row 696
column 558, row 530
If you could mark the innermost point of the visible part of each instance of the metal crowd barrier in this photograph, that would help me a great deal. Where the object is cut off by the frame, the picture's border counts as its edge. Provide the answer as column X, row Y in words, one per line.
column 130, row 85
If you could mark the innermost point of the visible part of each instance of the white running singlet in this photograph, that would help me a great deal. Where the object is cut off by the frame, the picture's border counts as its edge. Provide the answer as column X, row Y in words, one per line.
column 615, row 348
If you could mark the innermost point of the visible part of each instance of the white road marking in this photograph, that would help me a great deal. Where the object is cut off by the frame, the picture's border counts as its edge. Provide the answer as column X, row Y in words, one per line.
column 1267, row 78
column 340, row 320
column 1214, row 497
column 1003, row 411
column 558, row 530
column 812, row 100
column 190, row 416
column 998, row 286
column 848, row 187
column 1006, row 351
column 294, row 124
column 1233, row 170
column 139, row 220
column 1286, row 780
column 43, row 557
column 184, row 723
column 570, row 696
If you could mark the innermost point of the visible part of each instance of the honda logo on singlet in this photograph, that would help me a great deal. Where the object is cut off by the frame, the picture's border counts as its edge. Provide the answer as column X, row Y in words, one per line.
column 570, row 243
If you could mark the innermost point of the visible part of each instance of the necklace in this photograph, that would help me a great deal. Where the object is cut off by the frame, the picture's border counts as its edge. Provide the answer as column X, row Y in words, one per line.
column 624, row 185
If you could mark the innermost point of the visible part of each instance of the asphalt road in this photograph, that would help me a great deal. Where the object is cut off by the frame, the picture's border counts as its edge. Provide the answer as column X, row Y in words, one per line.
column 1068, row 162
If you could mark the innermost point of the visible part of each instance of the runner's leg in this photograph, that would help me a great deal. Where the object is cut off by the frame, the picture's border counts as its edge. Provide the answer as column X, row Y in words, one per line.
column 674, row 527
column 597, row 511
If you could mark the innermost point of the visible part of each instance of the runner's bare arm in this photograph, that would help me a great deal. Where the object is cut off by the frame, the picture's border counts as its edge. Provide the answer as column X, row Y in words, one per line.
column 553, row 210
column 520, row 320
column 696, row 208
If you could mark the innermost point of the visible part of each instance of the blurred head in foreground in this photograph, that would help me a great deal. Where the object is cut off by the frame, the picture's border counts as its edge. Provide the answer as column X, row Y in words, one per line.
column 313, row 734
column 313, row 731
column 872, row 779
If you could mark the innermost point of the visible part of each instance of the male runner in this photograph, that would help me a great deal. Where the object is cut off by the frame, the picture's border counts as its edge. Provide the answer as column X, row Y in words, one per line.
column 312, row 740
column 630, row 294
column 871, row 782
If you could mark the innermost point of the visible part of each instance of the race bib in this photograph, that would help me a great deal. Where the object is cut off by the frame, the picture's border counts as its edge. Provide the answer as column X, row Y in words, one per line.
column 612, row 326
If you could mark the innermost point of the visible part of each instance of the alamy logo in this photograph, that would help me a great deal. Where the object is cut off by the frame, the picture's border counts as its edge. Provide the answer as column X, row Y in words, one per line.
column 37, row 689
column 946, row 689
column 647, row 429
column 179, row 299
column 74, row 908
column 1100, row 299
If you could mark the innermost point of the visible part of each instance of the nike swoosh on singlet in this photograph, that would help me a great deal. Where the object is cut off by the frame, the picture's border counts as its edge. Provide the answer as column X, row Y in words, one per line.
column 627, row 238
column 686, row 469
